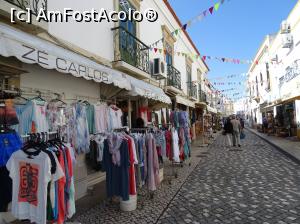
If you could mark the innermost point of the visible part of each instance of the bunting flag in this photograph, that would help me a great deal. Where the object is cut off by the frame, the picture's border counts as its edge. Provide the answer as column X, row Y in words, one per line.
column 195, row 19
column 220, row 59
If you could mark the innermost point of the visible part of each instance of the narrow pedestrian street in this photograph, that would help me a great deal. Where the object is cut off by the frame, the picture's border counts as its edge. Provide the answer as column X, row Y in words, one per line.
column 256, row 185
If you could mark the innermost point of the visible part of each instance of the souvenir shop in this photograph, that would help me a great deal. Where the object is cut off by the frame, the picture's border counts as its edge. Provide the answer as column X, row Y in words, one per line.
column 61, row 133
column 284, row 119
column 199, row 123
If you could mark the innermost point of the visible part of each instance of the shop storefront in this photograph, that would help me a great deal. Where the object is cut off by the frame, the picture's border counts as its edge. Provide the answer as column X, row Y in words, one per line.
column 40, row 73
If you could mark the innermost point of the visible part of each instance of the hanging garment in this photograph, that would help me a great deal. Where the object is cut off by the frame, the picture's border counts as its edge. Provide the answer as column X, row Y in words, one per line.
column 117, row 177
column 25, row 116
column 40, row 121
column 30, row 179
column 101, row 118
column 132, row 181
column 5, row 189
column 152, row 163
column 55, row 116
column 8, row 115
column 169, row 152
column 115, row 118
column 82, row 141
column 90, row 115
column 9, row 143
column 175, row 141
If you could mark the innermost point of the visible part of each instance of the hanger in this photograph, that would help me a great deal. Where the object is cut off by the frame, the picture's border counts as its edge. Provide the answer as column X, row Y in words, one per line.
column 39, row 97
column 57, row 99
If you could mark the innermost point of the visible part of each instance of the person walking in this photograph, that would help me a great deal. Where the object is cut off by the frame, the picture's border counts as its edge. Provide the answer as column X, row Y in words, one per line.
column 236, row 126
column 228, row 131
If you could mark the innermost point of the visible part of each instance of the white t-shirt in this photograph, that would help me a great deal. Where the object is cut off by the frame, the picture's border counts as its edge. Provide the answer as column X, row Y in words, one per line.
column 115, row 118
column 30, row 178
column 40, row 118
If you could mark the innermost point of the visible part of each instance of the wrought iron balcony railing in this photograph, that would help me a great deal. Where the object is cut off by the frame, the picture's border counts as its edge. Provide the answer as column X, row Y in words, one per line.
column 173, row 78
column 202, row 96
column 192, row 90
column 33, row 5
column 131, row 50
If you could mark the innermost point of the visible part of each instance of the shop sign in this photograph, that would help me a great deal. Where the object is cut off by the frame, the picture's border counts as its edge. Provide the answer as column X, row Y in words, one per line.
column 291, row 72
column 31, row 55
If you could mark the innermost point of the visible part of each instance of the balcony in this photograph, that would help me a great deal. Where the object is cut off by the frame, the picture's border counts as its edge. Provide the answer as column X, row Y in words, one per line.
column 192, row 90
column 131, row 54
column 202, row 96
column 35, row 7
column 173, row 78
column 173, row 81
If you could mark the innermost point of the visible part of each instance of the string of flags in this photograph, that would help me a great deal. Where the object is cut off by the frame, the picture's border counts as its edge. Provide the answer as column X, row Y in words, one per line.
column 199, row 17
column 205, row 57
column 229, row 76
column 227, row 83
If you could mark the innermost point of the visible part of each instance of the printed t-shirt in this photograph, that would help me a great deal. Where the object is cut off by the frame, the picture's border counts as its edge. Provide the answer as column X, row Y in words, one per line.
column 30, row 178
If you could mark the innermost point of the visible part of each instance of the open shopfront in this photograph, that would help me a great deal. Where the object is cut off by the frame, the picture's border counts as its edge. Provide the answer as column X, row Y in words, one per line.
column 60, row 95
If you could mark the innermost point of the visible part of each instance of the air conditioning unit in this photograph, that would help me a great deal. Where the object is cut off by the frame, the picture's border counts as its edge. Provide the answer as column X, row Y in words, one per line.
column 287, row 40
column 285, row 27
column 159, row 69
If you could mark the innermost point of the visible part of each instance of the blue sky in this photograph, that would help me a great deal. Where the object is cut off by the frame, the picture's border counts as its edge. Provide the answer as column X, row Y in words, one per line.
column 236, row 30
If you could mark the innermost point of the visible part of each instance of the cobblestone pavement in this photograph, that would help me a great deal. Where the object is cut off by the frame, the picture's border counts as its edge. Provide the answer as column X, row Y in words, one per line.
column 148, row 210
column 256, row 185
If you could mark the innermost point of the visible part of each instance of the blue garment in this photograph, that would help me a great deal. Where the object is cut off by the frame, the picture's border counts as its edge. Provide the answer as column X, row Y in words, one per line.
column 82, row 130
column 117, row 177
column 9, row 143
column 25, row 116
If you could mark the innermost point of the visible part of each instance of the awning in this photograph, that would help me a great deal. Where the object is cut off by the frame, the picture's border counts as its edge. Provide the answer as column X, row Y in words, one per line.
column 147, row 90
column 184, row 101
column 212, row 110
column 34, row 50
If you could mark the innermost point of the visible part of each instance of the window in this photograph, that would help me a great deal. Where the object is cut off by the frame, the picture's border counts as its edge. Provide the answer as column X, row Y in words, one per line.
column 189, row 77
column 268, row 77
column 261, row 79
column 169, row 54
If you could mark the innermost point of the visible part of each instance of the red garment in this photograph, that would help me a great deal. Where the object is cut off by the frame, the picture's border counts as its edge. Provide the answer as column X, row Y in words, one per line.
column 132, row 183
column 61, row 191
column 181, row 143
column 168, row 136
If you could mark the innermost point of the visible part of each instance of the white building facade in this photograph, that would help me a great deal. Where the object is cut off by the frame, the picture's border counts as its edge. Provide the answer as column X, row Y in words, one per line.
column 274, row 77
column 102, row 61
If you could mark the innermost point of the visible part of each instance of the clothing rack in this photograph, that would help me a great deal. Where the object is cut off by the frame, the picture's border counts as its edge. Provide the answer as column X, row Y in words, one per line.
column 47, row 134
column 125, row 128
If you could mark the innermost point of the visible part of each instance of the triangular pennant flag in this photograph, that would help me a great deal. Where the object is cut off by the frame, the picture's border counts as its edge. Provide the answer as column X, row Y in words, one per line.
column 256, row 62
column 211, row 9
column 184, row 26
column 176, row 32
column 217, row 5
column 155, row 50
column 208, row 57
column 165, row 51
column 238, row 61
column 204, row 58
column 223, row 59
column 178, row 53
column 182, row 54
column 160, row 50
column 222, row 1
column 204, row 13
column 189, row 23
